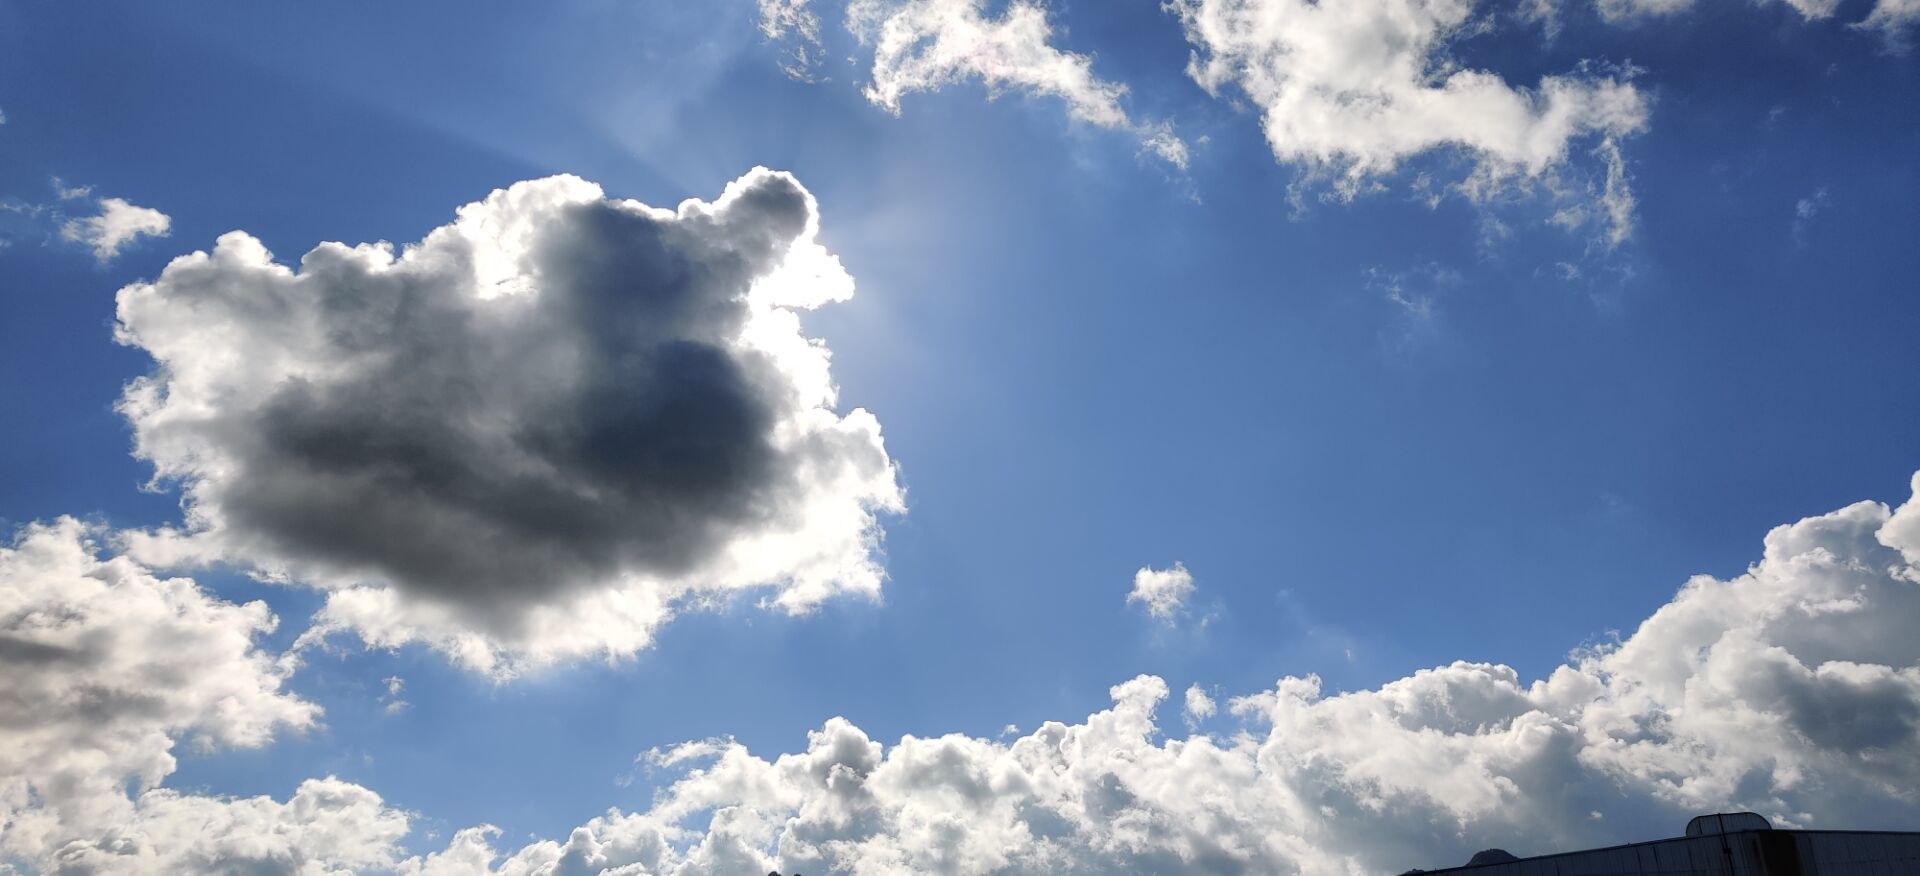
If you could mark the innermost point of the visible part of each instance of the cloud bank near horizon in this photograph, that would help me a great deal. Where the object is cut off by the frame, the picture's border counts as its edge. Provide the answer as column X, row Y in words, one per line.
column 1792, row 690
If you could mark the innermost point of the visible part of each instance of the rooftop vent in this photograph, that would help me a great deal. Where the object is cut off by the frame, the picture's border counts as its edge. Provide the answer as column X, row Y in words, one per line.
column 1491, row 856
column 1726, row 822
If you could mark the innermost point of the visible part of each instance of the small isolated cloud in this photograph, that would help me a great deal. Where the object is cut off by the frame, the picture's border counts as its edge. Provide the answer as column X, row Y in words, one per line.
column 1805, row 209
column 534, row 435
column 1411, row 290
column 924, row 45
column 793, row 26
column 1199, row 706
column 391, row 701
column 1164, row 592
column 69, row 193
column 1350, row 91
column 119, row 223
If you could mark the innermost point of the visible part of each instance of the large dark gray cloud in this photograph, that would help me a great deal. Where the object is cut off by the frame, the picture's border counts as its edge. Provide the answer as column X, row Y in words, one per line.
column 532, row 432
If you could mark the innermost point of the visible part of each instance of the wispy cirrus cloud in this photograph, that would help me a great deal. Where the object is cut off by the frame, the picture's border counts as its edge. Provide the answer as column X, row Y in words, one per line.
column 926, row 45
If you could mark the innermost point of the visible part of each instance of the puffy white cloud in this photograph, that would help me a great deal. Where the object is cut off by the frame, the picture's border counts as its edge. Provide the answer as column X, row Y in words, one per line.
column 327, row 827
column 1792, row 689
column 924, row 45
column 1164, row 592
column 1199, row 705
column 104, row 668
column 533, row 435
column 118, row 224
column 1351, row 90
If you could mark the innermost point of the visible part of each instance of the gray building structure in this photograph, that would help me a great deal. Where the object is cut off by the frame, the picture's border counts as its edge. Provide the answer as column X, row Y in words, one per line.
column 1733, row 844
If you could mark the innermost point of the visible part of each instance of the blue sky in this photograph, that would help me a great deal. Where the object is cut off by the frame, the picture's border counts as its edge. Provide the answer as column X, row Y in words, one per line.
column 1383, row 432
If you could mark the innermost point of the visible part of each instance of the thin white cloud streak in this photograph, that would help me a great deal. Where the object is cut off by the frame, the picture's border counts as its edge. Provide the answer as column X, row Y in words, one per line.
column 1810, row 10
column 1892, row 20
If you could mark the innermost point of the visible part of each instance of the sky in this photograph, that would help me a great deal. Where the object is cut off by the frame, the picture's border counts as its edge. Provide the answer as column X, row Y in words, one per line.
column 951, row 436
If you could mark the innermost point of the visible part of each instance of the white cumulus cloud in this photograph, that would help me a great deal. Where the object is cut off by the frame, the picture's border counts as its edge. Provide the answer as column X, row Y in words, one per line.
column 118, row 223
column 533, row 435
column 1199, row 706
column 1352, row 90
column 1163, row 592
column 104, row 669
column 1792, row 690
column 327, row 828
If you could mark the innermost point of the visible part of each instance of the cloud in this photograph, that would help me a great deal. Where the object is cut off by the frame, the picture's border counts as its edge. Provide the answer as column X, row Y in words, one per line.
column 1805, row 209
column 1607, row 204
column 1350, row 91
column 924, row 45
column 1792, row 689
column 69, row 193
column 391, row 702
column 1411, row 290
column 533, row 435
column 793, row 24
column 1164, row 592
column 1810, row 10
column 1199, row 706
column 1893, row 19
column 118, row 224
column 104, row 668
column 328, row 826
